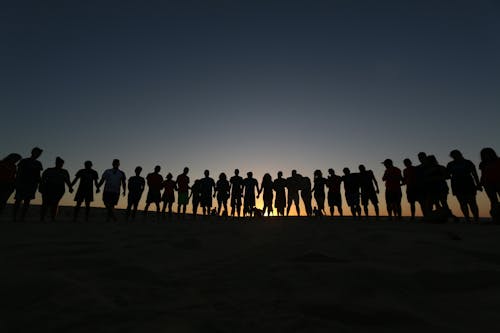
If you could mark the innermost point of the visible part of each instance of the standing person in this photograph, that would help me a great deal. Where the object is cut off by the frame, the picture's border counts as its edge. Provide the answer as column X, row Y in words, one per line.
column 279, row 186
column 250, row 184
column 222, row 193
column 333, row 183
column 88, row 178
column 168, row 197
column 154, row 181
column 421, row 182
column 8, row 171
column 410, row 180
column 319, row 191
column 267, row 186
column 293, row 185
column 113, row 178
column 464, row 183
column 207, row 184
column 351, row 188
column 393, row 179
column 306, row 194
column 490, row 179
column 52, row 188
column 437, row 188
column 27, row 180
column 136, row 185
column 182, row 192
column 196, row 194
column 236, row 192
column 368, row 191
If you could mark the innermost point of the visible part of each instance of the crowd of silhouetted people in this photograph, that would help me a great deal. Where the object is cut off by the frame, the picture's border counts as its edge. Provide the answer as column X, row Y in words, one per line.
column 425, row 184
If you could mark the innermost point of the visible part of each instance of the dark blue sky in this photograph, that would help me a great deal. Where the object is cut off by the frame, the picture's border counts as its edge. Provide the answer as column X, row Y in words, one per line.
column 260, row 85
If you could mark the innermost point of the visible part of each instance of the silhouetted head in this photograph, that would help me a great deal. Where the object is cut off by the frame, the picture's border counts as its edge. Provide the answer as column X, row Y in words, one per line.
column 186, row 170
column 387, row 163
column 138, row 171
column 407, row 162
column 206, row 173
column 236, row 172
column 331, row 172
column 12, row 158
column 169, row 176
column 488, row 155
column 294, row 173
column 267, row 178
column 456, row 154
column 362, row 168
column 222, row 176
column 346, row 171
column 36, row 152
column 432, row 160
column 157, row 168
column 59, row 162
column 87, row 164
column 318, row 174
column 422, row 157
column 116, row 163
column 249, row 174
column 280, row 174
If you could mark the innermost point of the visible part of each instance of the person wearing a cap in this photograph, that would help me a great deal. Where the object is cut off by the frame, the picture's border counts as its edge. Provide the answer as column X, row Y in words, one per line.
column 393, row 179
column 52, row 187
column 27, row 180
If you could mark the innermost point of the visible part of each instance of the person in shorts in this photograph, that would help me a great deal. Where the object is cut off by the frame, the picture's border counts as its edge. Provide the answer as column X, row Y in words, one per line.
column 27, row 179
column 393, row 180
column 182, row 192
column 113, row 179
column 369, row 189
column 168, row 196
column 88, row 177
column 207, row 184
column 236, row 182
column 333, row 183
column 351, row 188
column 410, row 180
column 222, row 188
column 293, row 185
column 52, row 187
column 136, row 185
column 154, row 181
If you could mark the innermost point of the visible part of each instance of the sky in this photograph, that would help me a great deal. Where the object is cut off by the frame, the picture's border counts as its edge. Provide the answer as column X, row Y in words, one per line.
column 257, row 85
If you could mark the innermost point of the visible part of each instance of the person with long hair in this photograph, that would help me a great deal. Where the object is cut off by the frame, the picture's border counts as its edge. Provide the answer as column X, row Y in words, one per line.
column 319, row 191
column 267, row 186
column 222, row 188
column 490, row 179
column 8, row 171
column 168, row 197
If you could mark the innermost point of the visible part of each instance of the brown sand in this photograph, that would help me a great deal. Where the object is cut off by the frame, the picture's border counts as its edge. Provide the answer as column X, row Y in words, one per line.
column 277, row 275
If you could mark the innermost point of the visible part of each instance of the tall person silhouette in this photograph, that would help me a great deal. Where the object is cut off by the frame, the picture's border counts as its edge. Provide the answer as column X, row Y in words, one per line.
column 306, row 194
column 319, row 191
column 250, row 184
column 334, row 182
column 236, row 192
column 154, row 181
column 490, row 179
column 136, row 185
column 464, row 184
column 182, row 192
column 8, row 171
column 168, row 197
column 437, row 187
column 207, row 184
column 410, row 180
column 293, row 184
column 27, row 180
column 113, row 179
column 280, row 200
column 368, row 190
column 267, row 187
column 196, row 194
column 351, row 188
column 393, row 180
column 222, row 188
column 88, row 177
column 52, row 187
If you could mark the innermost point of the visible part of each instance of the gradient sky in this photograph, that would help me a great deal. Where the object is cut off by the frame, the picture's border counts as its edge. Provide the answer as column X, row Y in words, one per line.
column 258, row 85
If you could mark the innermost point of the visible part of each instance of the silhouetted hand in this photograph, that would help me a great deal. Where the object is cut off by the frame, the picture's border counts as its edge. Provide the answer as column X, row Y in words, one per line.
column 258, row 195
column 97, row 190
column 378, row 191
column 480, row 188
column 124, row 193
column 70, row 190
column 213, row 195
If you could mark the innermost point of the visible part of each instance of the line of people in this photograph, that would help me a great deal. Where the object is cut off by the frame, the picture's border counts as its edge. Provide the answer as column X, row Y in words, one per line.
column 425, row 183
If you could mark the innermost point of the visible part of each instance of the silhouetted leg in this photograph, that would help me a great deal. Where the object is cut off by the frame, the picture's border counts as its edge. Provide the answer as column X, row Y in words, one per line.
column 170, row 209
column 43, row 211
column 15, row 210
column 376, row 210
column 412, row 210
column 24, row 211
column 474, row 209
column 53, row 210
column 340, row 211
column 76, row 210
column 87, row 210
column 464, row 208
column 365, row 208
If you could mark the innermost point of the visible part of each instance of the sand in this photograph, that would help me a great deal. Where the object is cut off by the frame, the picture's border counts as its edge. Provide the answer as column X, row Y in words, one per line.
column 269, row 274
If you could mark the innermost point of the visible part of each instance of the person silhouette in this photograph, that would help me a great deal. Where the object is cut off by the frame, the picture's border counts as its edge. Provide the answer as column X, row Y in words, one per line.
column 222, row 188
column 112, row 179
column 421, row 182
column 351, row 188
column 236, row 192
column 267, row 186
column 368, row 191
column 306, row 194
column 8, row 171
column 52, row 188
column 293, row 184
column 154, row 181
column 437, row 188
column 490, row 179
column 136, row 185
column 333, row 182
column 410, row 180
column 393, row 179
column 27, row 180
column 319, row 191
column 168, row 197
column 279, row 186
column 250, row 184
column 88, row 177
column 207, row 184
column 182, row 192
column 196, row 194
column 464, row 184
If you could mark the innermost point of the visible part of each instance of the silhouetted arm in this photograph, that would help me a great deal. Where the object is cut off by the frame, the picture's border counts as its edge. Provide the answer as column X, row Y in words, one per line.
column 476, row 178
column 76, row 179
column 375, row 181
column 124, row 185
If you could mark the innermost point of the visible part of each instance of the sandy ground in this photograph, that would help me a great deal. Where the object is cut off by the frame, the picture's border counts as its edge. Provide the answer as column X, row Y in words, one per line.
column 269, row 275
